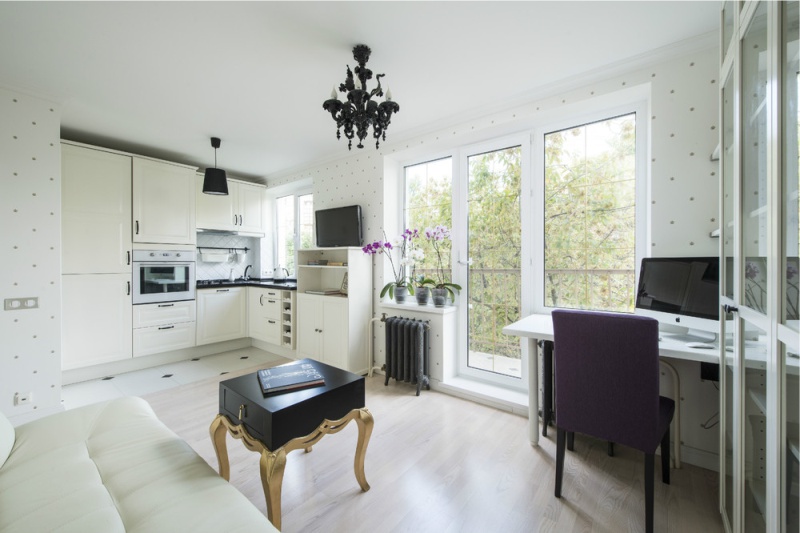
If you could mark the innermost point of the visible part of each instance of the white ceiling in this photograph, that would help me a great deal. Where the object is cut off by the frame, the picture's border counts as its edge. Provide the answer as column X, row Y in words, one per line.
column 161, row 78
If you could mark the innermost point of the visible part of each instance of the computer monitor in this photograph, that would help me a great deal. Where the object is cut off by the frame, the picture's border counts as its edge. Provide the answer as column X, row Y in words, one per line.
column 681, row 291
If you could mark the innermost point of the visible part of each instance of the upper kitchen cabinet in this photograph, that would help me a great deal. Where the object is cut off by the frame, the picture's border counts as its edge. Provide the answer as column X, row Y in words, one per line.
column 241, row 210
column 96, row 210
column 163, row 202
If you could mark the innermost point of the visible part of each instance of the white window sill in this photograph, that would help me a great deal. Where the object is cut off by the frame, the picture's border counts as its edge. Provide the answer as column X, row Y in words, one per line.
column 485, row 394
column 409, row 306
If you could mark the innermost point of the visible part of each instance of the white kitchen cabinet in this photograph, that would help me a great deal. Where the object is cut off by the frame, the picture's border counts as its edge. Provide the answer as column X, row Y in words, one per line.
column 264, row 314
column 163, row 327
column 333, row 328
column 163, row 202
column 95, row 211
column 221, row 314
column 242, row 209
column 322, row 329
column 96, row 323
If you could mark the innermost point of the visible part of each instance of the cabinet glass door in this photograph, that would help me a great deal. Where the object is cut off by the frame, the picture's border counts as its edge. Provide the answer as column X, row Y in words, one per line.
column 788, row 330
column 754, row 264
column 728, row 384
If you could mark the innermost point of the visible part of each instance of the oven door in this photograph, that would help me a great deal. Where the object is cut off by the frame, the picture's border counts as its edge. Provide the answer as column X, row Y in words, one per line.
column 163, row 282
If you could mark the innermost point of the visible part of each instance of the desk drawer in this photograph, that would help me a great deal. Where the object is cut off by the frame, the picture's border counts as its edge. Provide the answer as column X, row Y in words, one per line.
column 254, row 418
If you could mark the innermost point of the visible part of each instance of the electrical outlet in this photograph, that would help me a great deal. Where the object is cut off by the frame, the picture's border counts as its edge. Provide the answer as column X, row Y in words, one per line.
column 23, row 399
column 16, row 304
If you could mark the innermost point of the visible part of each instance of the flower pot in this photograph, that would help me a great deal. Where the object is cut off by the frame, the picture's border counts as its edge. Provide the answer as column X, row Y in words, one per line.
column 439, row 297
column 400, row 294
column 422, row 294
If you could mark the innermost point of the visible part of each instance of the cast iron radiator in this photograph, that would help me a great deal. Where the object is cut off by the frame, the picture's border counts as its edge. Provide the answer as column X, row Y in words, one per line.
column 407, row 351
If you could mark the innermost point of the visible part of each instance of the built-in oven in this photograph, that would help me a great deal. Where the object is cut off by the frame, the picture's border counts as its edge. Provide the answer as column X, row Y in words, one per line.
column 163, row 276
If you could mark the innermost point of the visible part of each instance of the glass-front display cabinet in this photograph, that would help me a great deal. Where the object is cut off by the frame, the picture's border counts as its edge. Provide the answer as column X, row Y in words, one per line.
column 759, row 452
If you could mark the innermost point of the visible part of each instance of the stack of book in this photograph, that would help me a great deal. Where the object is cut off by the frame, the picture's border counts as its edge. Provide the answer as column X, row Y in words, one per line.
column 317, row 262
column 289, row 377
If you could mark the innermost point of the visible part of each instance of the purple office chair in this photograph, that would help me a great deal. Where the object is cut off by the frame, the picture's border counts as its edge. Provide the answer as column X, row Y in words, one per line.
column 606, row 385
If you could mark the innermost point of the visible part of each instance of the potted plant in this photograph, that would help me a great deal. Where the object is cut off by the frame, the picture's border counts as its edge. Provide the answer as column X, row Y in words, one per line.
column 439, row 237
column 401, row 286
column 422, row 288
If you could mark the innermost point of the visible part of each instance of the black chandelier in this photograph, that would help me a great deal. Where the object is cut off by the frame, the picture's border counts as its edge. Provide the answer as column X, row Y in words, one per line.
column 360, row 111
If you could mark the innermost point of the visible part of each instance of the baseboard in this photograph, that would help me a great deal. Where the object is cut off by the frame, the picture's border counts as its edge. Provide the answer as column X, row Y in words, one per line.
column 701, row 458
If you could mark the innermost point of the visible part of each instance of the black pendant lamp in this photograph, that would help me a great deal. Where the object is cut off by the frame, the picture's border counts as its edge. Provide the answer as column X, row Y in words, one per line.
column 215, row 181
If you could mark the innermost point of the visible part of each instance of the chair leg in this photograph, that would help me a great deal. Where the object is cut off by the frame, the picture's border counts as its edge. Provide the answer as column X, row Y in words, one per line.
column 649, row 467
column 571, row 441
column 560, row 443
column 610, row 449
column 665, row 454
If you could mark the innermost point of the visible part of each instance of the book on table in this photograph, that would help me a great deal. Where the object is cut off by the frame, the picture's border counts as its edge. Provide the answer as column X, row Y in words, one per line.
column 289, row 377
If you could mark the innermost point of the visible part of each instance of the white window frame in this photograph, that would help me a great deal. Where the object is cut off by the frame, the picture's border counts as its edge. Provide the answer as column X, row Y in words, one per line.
column 641, row 107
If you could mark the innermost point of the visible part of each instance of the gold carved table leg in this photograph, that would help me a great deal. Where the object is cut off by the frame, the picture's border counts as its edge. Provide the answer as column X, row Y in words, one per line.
column 273, row 463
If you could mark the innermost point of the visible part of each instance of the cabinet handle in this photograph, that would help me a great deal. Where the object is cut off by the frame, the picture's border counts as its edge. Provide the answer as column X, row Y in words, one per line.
column 129, row 288
column 271, row 321
column 137, row 227
column 234, row 220
column 167, row 327
column 166, row 305
column 129, row 256
column 261, row 299
column 223, row 290
column 272, row 301
column 240, row 220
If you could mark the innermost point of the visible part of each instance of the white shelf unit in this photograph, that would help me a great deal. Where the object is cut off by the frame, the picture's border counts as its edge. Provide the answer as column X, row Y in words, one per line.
column 338, row 338
column 288, row 320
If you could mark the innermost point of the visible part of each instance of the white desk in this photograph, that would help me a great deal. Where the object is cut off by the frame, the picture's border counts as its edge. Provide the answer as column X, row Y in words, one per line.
column 540, row 327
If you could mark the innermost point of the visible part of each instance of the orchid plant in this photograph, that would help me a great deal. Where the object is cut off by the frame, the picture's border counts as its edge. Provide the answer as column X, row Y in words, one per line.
column 439, row 238
column 409, row 256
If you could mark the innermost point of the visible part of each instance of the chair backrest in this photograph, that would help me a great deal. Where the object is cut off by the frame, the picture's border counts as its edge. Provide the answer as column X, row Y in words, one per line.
column 607, row 376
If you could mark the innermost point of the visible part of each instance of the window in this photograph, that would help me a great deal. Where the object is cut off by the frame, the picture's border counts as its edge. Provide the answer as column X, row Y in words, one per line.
column 590, row 215
column 294, row 228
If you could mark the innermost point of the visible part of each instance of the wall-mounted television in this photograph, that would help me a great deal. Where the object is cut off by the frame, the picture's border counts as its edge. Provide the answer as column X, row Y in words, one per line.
column 339, row 226
column 682, row 291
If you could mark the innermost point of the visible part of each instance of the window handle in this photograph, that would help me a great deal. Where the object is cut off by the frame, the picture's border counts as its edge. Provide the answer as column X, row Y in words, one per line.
column 468, row 262
column 730, row 308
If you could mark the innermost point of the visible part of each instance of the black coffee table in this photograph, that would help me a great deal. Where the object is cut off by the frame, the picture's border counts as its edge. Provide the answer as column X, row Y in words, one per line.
column 277, row 424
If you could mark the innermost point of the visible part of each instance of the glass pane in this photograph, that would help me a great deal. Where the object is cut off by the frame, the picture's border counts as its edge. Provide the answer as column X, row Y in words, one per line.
column 730, row 427
column 727, row 184
column 754, row 161
column 791, row 176
column 791, row 512
column 285, row 233
column 727, row 25
column 428, row 200
column 305, row 205
column 495, row 235
column 590, row 208
column 755, row 429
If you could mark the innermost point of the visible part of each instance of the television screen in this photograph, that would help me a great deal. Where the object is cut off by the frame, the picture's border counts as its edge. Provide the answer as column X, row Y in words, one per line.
column 340, row 226
column 687, row 286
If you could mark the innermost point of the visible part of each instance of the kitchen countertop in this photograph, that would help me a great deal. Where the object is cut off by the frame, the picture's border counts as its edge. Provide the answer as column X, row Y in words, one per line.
column 287, row 285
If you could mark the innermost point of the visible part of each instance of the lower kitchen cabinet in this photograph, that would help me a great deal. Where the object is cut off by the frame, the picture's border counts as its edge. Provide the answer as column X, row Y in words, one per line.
column 221, row 314
column 96, row 323
column 163, row 327
column 264, row 314
column 322, row 329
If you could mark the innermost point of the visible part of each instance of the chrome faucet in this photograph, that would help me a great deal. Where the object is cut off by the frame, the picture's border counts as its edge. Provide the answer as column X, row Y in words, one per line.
column 245, row 276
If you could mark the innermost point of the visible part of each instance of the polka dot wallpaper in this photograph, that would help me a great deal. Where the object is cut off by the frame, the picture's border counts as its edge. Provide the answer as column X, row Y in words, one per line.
column 683, row 127
column 30, row 215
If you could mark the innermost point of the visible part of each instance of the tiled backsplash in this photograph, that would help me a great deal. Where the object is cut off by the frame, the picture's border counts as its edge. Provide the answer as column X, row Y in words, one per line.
column 237, row 261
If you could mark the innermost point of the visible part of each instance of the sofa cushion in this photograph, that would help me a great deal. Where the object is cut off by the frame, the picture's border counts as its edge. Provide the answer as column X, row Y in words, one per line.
column 6, row 438
column 114, row 467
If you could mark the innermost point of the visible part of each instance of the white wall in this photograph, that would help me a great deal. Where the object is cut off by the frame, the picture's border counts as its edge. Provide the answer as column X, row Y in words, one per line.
column 30, row 218
column 684, row 182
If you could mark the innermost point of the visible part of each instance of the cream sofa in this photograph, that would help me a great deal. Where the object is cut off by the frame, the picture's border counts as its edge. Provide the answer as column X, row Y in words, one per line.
column 113, row 467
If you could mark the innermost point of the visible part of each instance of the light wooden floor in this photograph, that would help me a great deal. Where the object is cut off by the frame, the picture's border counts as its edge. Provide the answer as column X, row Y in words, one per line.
column 437, row 463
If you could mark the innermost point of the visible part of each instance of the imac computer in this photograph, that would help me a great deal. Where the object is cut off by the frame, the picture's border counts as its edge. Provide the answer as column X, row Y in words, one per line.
column 681, row 291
